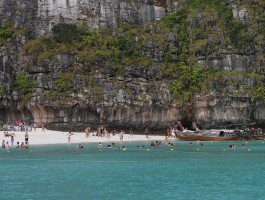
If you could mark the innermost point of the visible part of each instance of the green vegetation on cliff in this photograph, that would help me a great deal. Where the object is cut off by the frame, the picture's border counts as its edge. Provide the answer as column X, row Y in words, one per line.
column 202, row 30
column 9, row 32
column 5, row 35
column 24, row 86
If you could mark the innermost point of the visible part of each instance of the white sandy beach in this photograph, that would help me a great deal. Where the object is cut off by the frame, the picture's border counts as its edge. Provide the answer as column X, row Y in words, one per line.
column 59, row 137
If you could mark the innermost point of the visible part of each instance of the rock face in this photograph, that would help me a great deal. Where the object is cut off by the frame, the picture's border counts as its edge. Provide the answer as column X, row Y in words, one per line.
column 213, row 112
column 137, row 98
column 96, row 12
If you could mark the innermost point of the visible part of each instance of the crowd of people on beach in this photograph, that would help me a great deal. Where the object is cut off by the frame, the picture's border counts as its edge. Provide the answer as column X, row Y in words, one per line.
column 19, row 126
column 103, row 132
column 22, row 126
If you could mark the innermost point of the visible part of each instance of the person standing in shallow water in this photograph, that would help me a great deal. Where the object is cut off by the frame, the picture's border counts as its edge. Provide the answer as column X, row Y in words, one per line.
column 7, row 146
column 12, row 139
column 100, row 146
column 26, row 137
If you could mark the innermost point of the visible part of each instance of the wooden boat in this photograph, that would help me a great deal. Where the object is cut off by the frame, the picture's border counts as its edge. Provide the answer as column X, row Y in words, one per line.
column 206, row 135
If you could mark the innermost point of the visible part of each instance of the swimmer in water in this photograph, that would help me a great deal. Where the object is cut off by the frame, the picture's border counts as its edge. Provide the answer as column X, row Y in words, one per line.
column 79, row 147
column 124, row 148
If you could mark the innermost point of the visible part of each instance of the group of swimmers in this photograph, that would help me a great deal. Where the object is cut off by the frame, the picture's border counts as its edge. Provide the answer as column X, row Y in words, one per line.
column 233, row 146
column 124, row 148
column 23, row 145
column 100, row 146
column 6, row 145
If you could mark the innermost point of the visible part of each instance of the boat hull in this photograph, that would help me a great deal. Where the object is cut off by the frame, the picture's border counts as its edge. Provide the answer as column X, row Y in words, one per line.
column 194, row 137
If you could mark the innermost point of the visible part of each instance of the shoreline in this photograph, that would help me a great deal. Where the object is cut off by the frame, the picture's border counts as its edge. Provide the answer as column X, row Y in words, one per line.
column 60, row 137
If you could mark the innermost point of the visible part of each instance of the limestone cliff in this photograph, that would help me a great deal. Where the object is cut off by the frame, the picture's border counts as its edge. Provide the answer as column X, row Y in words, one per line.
column 55, row 68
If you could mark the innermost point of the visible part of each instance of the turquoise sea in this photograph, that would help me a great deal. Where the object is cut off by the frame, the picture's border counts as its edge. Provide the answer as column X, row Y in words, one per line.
column 211, row 171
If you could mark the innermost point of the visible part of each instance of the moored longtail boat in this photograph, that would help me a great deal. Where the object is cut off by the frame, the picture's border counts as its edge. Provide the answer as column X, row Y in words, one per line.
column 206, row 135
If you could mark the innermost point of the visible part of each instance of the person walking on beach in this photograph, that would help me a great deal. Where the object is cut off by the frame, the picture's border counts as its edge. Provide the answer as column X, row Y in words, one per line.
column 42, row 127
column 121, row 135
column 17, row 125
column 23, row 126
column 35, row 127
column 69, row 137
column 107, row 134
column 131, row 132
column 87, row 130
column 146, row 132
